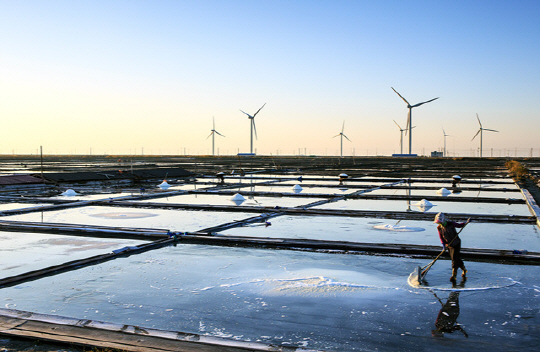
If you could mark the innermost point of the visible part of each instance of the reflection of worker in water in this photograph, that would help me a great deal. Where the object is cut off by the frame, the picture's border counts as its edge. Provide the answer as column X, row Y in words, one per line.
column 451, row 241
column 446, row 320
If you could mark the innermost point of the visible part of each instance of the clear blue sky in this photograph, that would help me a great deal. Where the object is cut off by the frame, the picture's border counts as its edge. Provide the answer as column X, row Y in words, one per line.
column 119, row 76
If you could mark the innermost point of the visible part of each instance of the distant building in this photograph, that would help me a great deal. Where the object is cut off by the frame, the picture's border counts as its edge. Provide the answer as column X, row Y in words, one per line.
column 437, row 154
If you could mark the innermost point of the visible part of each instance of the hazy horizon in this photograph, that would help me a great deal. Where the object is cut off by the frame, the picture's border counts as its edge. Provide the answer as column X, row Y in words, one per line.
column 141, row 77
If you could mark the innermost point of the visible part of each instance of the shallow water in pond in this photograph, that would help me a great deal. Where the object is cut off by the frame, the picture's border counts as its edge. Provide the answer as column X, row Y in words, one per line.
column 313, row 300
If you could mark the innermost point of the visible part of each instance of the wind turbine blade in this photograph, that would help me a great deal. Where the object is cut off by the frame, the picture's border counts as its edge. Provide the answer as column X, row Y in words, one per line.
column 254, row 128
column 476, row 134
column 211, row 133
column 343, row 127
column 425, row 102
column 337, row 135
column 444, row 133
column 219, row 134
column 405, row 100
column 213, row 123
column 347, row 138
column 486, row 129
column 259, row 110
column 397, row 124
column 480, row 123
column 246, row 113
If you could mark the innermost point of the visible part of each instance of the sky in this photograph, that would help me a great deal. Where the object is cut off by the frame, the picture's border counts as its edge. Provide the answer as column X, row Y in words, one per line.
column 148, row 77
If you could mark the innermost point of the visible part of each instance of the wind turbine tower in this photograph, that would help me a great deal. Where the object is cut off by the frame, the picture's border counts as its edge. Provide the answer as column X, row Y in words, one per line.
column 342, row 135
column 480, row 131
column 445, row 135
column 409, row 117
column 213, row 134
column 252, row 126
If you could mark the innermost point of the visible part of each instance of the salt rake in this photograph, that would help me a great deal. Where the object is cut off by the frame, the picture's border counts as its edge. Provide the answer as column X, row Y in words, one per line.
column 417, row 276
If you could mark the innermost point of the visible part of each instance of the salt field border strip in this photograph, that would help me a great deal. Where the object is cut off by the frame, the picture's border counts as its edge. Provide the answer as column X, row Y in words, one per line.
column 531, row 203
column 303, row 210
column 346, row 247
column 84, row 230
column 93, row 333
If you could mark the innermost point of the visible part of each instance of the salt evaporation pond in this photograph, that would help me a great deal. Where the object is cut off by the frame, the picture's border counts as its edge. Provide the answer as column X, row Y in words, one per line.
column 314, row 300
column 22, row 252
column 464, row 193
column 174, row 220
column 12, row 206
column 339, row 228
column 441, row 206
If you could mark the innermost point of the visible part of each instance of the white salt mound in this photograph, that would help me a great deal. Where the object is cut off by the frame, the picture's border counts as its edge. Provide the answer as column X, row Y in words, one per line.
column 297, row 188
column 424, row 203
column 70, row 193
column 443, row 191
column 237, row 199
column 164, row 185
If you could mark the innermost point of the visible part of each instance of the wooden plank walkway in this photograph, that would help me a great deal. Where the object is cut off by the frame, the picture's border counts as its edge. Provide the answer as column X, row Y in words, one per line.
column 92, row 333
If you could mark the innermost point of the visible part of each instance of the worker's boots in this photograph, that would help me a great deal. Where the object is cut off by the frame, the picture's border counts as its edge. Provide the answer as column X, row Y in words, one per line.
column 454, row 273
column 464, row 273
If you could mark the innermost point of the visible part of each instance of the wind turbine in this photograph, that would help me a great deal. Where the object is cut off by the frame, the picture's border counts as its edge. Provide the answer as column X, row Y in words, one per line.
column 213, row 133
column 445, row 135
column 252, row 126
column 409, row 116
column 480, row 130
column 342, row 135
column 401, row 138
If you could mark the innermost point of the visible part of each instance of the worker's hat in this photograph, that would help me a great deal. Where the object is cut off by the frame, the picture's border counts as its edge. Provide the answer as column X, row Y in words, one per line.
column 439, row 218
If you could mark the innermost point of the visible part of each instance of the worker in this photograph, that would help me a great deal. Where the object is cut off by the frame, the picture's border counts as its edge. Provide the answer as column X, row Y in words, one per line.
column 451, row 241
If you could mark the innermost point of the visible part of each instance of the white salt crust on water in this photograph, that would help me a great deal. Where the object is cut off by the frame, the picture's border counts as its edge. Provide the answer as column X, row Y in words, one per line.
column 123, row 215
column 398, row 228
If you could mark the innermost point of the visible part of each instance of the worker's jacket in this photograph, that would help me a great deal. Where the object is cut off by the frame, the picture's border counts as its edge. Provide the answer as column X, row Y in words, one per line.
column 448, row 234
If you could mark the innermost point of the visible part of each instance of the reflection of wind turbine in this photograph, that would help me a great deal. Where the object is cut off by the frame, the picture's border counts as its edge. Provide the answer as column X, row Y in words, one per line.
column 480, row 130
column 445, row 135
column 409, row 117
column 213, row 133
column 252, row 124
column 342, row 135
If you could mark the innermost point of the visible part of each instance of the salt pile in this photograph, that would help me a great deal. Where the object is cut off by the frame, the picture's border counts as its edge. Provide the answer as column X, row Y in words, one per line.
column 443, row 192
column 164, row 185
column 70, row 193
column 297, row 188
column 424, row 205
column 238, row 199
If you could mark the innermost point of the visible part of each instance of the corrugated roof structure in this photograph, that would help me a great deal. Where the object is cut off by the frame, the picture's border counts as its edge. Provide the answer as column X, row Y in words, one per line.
column 107, row 175
column 19, row 180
